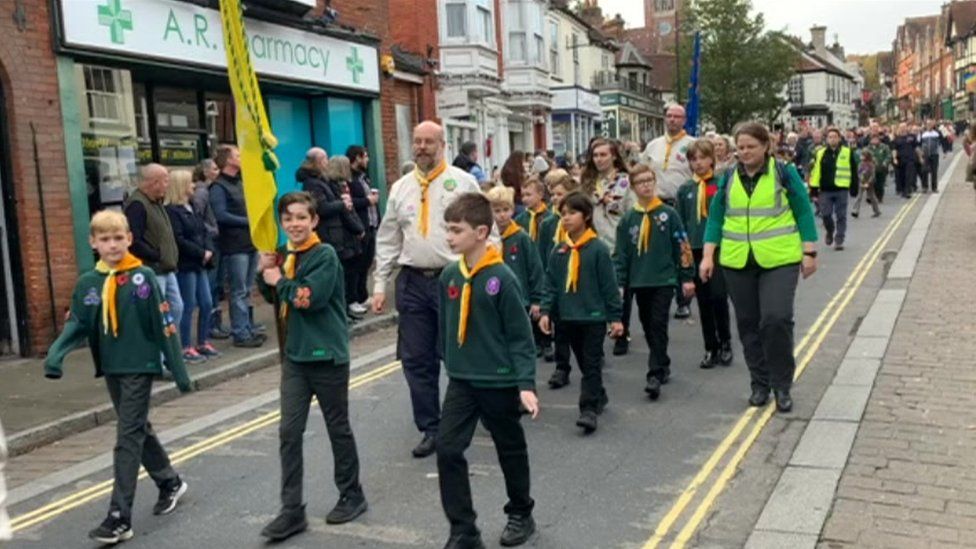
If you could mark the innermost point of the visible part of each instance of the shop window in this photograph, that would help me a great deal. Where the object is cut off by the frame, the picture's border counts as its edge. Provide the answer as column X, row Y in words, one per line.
column 103, row 94
column 179, row 131
column 221, row 125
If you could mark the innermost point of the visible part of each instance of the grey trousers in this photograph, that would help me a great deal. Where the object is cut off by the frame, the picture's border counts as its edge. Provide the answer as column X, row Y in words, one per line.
column 135, row 441
column 833, row 204
column 763, row 300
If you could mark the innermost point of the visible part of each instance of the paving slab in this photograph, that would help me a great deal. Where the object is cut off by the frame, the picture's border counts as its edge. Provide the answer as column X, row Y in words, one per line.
column 800, row 502
column 867, row 347
column 843, row 403
column 857, row 371
column 825, row 444
column 763, row 539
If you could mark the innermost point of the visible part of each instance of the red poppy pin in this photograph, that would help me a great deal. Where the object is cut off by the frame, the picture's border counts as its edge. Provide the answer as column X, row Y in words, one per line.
column 513, row 250
column 453, row 292
column 122, row 279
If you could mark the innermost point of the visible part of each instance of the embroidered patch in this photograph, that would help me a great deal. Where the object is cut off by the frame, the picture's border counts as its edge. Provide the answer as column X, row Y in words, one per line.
column 122, row 279
column 563, row 249
column 410, row 209
column 663, row 217
column 493, row 286
column 303, row 298
column 142, row 291
column 164, row 307
column 691, row 195
column 687, row 259
column 169, row 330
column 138, row 279
column 450, row 185
column 91, row 297
column 318, row 352
column 623, row 184
column 453, row 292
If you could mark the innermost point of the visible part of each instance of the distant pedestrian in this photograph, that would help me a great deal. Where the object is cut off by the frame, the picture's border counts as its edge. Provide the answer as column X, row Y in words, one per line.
column 866, row 175
column 931, row 149
column 467, row 160
column 513, row 175
column 307, row 277
column 120, row 312
column 365, row 201
column 350, row 232
column 881, row 154
column 905, row 157
column 203, row 177
column 833, row 181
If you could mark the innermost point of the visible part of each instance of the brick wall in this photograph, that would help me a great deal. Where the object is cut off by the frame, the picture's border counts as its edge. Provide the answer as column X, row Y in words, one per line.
column 29, row 79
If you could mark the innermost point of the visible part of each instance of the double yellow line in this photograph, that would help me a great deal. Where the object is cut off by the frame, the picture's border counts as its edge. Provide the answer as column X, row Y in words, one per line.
column 810, row 344
column 81, row 497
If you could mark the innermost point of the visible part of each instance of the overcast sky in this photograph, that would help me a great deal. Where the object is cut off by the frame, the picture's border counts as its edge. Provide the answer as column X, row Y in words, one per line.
column 861, row 26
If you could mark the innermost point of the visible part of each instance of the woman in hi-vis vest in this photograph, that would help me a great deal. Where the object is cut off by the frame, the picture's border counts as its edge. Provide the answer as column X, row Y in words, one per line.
column 763, row 227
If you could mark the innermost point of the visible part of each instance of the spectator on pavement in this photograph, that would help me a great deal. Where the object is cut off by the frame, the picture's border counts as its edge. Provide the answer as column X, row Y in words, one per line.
column 364, row 201
column 203, row 177
column 350, row 232
column 467, row 160
column 513, row 174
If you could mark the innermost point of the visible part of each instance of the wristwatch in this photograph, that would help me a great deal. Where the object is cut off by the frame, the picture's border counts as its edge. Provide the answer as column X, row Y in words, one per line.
column 812, row 254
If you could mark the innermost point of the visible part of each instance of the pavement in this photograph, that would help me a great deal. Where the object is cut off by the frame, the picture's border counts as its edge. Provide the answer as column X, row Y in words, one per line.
column 697, row 468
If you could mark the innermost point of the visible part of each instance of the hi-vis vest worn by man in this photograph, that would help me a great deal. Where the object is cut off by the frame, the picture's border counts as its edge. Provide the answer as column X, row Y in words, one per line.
column 762, row 223
column 842, row 172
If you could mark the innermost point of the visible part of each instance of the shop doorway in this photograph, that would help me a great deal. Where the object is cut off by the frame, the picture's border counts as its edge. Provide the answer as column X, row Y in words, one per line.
column 13, row 327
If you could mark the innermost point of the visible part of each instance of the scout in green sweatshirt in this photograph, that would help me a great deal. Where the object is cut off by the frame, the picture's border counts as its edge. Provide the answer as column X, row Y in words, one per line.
column 490, row 363
column 536, row 212
column 306, row 277
column 119, row 311
column 652, row 257
column 552, row 232
column 582, row 295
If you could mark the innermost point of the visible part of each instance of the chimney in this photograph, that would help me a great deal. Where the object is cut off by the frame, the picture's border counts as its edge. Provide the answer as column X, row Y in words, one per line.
column 591, row 13
column 614, row 28
column 819, row 34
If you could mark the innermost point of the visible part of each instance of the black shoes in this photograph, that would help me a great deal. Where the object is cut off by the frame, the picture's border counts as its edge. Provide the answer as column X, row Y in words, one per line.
column 465, row 541
column 621, row 346
column 784, row 402
column 286, row 524
column 708, row 361
column 169, row 498
column 839, row 247
column 854, row 214
column 829, row 238
column 653, row 387
column 587, row 421
column 256, row 340
column 518, row 530
column 602, row 404
column 559, row 379
column 426, row 447
column 725, row 353
column 348, row 508
column 114, row 529
column 760, row 396
column 548, row 354
column 683, row 311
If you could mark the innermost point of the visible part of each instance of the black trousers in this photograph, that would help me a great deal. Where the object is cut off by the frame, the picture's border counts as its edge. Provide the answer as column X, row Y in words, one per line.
column 586, row 341
column 763, row 300
column 329, row 383
column 498, row 410
column 905, row 178
column 628, row 308
column 358, row 273
column 713, row 306
column 880, row 179
column 542, row 341
column 653, row 308
column 418, row 344
column 930, row 178
column 135, row 441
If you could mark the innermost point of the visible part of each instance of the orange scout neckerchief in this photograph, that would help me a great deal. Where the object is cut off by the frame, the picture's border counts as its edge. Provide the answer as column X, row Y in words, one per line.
column 535, row 218
column 491, row 257
column 572, row 274
column 644, row 240
column 288, row 268
column 667, row 149
column 512, row 228
column 110, row 314
column 703, row 193
column 425, row 181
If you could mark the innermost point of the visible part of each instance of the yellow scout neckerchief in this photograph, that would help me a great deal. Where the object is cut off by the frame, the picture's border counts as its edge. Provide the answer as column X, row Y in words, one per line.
column 667, row 149
column 644, row 240
column 425, row 181
column 110, row 315
column 512, row 228
column 535, row 217
column 703, row 193
column 572, row 274
column 288, row 268
column 491, row 257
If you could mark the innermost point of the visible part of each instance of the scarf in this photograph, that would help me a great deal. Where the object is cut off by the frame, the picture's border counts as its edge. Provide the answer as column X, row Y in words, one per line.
column 703, row 194
column 291, row 257
column 492, row 257
column 534, row 220
column 110, row 313
column 600, row 187
column 644, row 240
column 512, row 228
column 425, row 180
column 667, row 149
column 572, row 274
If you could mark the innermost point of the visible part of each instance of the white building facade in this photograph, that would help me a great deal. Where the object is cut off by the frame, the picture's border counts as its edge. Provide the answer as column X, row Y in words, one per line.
column 824, row 89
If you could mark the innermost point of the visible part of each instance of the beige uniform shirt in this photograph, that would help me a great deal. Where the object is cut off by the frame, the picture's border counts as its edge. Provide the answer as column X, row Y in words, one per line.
column 398, row 239
column 671, row 171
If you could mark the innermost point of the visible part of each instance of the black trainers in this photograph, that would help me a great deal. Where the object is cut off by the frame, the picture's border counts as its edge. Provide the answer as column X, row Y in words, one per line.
column 653, row 387
column 682, row 311
column 601, row 405
column 828, row 238
column 518, row 530
column 169, row 498
column 286, row 524
column 725, row 353
column 708, row 361
column 759, row 397
column 548, row 354
column 559, row 379
column 427, row 446
column 347, row 509
column 114, row 529
column 250, row 343
column 621, row 346
column 587, row 421
column 465, row 541
column 784, row 402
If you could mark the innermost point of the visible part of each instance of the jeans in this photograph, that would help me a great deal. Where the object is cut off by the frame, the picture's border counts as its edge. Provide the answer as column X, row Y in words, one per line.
column 653, row 305
column 418, row 344
column 498, row 409
column 329, row 382
column 763, row 300
column 240, row 269
column 215, row 278
column 169, row 288
column 135, row 441
column 586, row 341
column 195, row 287
column 833, row 204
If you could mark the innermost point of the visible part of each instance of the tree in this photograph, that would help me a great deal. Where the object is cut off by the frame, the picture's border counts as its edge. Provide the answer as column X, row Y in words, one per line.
column 744, row 68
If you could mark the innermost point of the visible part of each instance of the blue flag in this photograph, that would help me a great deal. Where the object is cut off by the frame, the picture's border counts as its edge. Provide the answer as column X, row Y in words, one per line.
column 691, row 122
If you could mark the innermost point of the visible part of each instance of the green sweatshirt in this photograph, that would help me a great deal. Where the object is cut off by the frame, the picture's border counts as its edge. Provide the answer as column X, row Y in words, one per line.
column 596, row 299
column 317, row 329
column 522, row 257
column 687, row 207
column 523, row 220
column 498, row 350
column 145, row 325
column 546, row 233
column 666, row 263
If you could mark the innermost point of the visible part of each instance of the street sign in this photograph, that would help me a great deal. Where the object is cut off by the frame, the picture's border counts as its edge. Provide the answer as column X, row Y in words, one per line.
column 610, row 124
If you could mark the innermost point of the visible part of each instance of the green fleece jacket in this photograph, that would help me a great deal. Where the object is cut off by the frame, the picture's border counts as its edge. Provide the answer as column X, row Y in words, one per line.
column 523, row 220
column 498, row 349
column 522, row 256
column 317, row 329
column 596, row 299
column 666, row 263
column 546, row 233
column 145, row 327
column 687, row 207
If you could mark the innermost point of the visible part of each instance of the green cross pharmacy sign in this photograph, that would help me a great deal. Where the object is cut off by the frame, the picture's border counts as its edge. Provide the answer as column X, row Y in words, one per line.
column 184, row 33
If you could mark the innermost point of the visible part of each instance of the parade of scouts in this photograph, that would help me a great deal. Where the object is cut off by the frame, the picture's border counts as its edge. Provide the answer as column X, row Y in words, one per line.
column 510, row 332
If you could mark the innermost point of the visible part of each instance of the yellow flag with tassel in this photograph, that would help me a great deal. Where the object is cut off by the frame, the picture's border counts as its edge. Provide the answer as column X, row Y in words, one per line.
column 254, row 138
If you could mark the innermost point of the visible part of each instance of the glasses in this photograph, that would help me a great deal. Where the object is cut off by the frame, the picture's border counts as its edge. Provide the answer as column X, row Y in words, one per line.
column 643, row 181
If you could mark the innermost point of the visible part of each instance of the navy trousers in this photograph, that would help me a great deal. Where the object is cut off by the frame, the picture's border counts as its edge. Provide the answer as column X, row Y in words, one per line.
column 418, row 344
